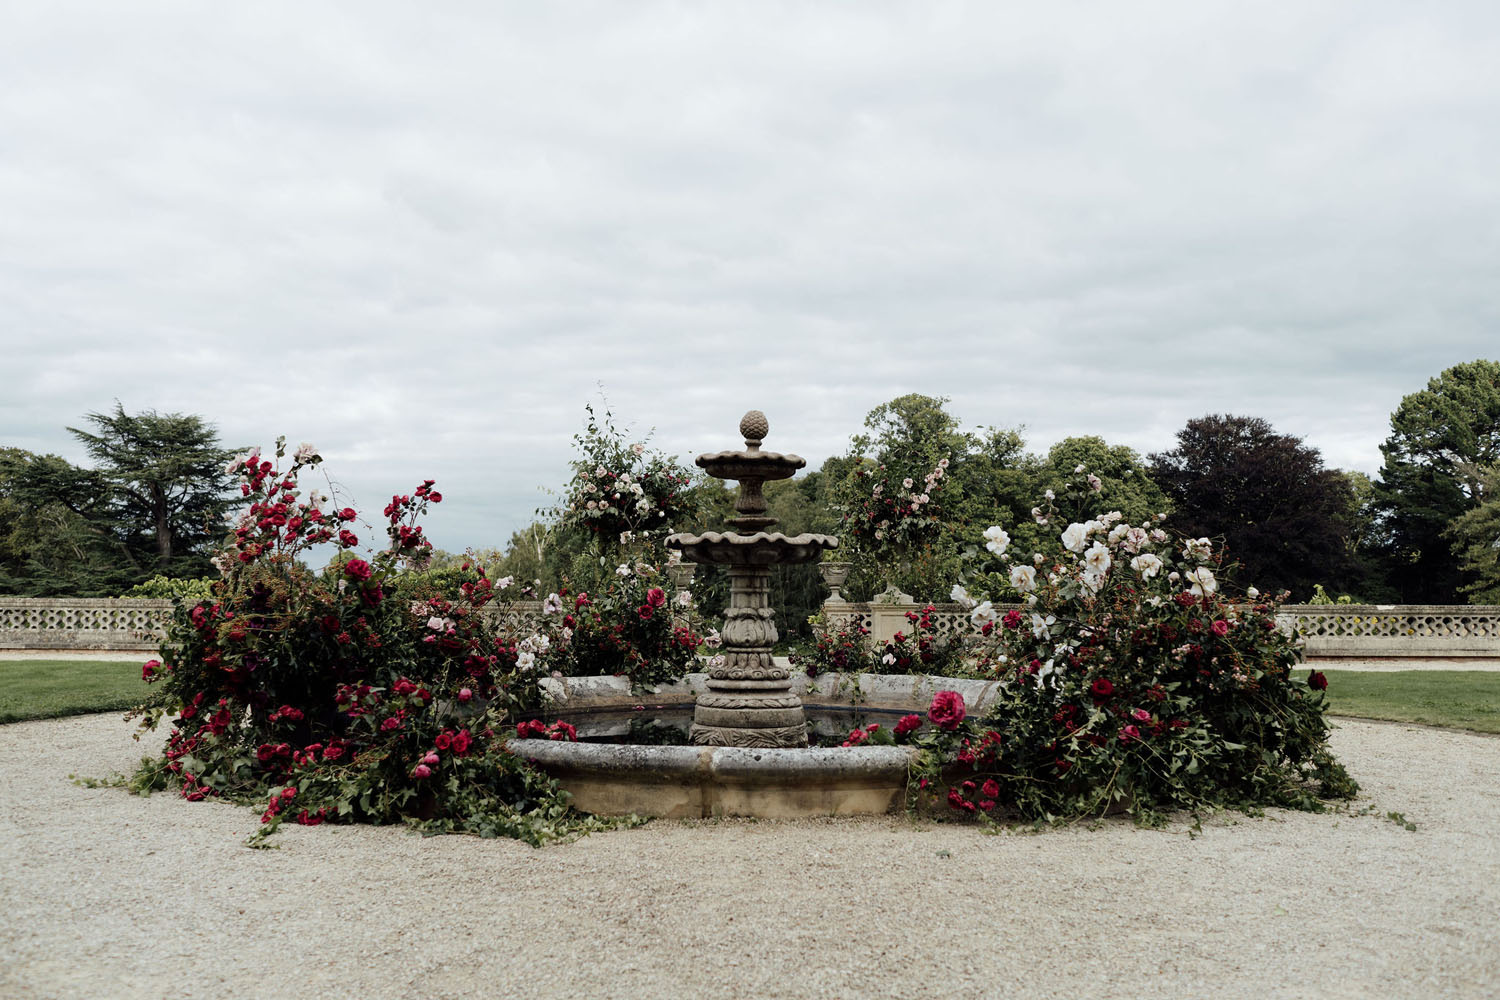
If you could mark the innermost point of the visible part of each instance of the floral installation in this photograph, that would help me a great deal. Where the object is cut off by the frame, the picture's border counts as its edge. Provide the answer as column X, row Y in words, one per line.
column 1130, row 682
column 622, row 493
column 329, row 699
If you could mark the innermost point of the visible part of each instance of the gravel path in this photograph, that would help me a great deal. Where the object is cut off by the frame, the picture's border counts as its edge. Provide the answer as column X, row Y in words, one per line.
column 103, row 894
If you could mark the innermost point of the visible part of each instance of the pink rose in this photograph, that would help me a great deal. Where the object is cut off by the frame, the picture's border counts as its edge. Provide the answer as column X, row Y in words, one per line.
column 1221, row 628
column 1129, row 733
column 421, row 771
column 464, row 694
column 1141, row 715
column 431, row 758
column 947, row 710
column 656, row 597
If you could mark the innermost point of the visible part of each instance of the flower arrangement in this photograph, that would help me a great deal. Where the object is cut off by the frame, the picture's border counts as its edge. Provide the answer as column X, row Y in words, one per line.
column 1130, row 682
column 638, row 626
column 621, row 493
column 325, row 698
column 888, row 516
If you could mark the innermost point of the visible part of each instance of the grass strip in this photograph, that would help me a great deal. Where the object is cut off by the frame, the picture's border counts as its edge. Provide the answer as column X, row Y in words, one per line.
column 1454, row 699
column 48, row 689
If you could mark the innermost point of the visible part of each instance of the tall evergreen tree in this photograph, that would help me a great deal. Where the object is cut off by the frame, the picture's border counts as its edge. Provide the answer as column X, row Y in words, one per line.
column 1443, row 440
column 168, row 489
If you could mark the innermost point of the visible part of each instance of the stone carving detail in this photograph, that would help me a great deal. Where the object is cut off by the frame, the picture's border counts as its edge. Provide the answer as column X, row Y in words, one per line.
column 756, row 739
column 749, row 702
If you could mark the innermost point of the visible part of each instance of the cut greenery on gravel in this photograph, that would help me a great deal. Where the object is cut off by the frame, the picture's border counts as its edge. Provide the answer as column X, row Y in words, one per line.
column 48, row 689
column 1457, row 699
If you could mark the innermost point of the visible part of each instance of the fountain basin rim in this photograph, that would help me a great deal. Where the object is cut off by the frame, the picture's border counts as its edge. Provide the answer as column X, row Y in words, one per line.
column 751, row 458
column 760, row 548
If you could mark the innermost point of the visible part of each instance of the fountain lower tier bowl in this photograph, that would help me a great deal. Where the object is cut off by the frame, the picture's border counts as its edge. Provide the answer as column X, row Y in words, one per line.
column 759, row 549
column 685, row 781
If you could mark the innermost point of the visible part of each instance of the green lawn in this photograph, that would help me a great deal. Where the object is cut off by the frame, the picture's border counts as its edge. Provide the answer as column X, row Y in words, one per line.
column 1459, row 699
column 45, row 689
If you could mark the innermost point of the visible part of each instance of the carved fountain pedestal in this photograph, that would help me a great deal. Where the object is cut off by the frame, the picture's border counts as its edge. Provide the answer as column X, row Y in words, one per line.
column 749, row 702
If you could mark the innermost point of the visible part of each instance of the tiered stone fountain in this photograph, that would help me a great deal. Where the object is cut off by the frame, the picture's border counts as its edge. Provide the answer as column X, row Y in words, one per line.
column 751, row 756
column 749, row 701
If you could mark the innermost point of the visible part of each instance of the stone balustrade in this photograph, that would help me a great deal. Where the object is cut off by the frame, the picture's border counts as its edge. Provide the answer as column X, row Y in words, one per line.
column 1330, row 631
column 108, row 623
column 1355, row 631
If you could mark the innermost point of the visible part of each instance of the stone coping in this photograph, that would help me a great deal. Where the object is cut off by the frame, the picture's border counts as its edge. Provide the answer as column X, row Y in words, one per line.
column 831, row 690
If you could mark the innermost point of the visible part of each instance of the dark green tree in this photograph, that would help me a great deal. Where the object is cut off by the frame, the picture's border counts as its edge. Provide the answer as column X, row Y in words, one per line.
column 1442, row 440
column 57, row 532
column 168, row 489
column 1281, row 514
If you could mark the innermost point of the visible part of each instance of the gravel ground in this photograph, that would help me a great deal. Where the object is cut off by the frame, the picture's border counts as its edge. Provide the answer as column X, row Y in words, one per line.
column 103, row 894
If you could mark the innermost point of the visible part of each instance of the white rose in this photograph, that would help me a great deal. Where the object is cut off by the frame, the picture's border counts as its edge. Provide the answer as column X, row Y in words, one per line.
column 1023, row 578
column 1097, row 559
column 1252, row 593
column 960, row 596
column 526, row 661
column 985, row 612
column 1147, row 564
column 1202, row 580
column 996, row 539
column 1075, row 536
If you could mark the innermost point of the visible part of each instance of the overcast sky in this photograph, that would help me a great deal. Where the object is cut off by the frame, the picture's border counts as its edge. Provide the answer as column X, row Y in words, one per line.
column 423, row 236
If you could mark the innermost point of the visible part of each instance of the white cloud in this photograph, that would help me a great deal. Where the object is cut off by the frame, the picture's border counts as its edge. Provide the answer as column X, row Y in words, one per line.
column 422, row 237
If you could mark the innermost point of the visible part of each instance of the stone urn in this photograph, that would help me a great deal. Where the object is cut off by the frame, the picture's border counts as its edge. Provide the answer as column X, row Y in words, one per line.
column 834, row 575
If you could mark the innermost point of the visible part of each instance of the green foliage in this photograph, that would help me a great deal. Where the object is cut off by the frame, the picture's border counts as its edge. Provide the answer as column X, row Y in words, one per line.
column 167, row 482
column 327, row 699
column 161, row 587
column 1443, row 440
column 1130, row 683
column 1282, row 516
column 1476, row 540
column 57, row 531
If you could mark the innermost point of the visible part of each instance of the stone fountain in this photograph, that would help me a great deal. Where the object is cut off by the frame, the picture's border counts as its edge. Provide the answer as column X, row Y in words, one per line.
column 749, row 701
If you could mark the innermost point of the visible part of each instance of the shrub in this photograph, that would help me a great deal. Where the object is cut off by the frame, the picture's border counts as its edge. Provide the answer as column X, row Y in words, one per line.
column 172, row 588
column 1130, row 682
column 326, row 698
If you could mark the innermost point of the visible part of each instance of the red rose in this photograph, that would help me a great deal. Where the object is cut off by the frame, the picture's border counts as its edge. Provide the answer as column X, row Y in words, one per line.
column 357, row 569
column 444, row 740
column 148, row 669
column 1012, row 619
column 1129, row 733
column 1101, row 688
column 990, row 789
column 347, row 514
column 908, row 723
column 645, row 611
column 461, row 741
column 347, row 538
column 1221, row 628
column 947, row 710
column 656, row 597
column 1317, row 681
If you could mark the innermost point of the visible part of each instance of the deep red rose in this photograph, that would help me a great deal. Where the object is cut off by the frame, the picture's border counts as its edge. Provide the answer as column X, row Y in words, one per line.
column 357, row 569
column 461, row 741
column 908, row 723
column 148, row 670
column 1221, row 628
column 347, row 514
column 1012, row 619
column 347, row 538
column 990, row 789
column 656, row 597
column 645, row 611
column 947, row 710
column 1101, row 688
column 1317, row 681
column 444, row 740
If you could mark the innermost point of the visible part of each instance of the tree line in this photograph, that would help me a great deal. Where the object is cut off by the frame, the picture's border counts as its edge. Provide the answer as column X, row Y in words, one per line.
column 910, row 497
